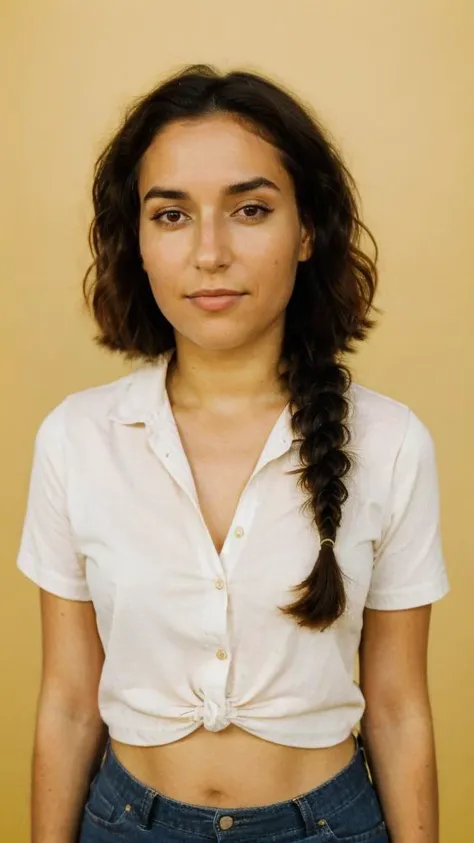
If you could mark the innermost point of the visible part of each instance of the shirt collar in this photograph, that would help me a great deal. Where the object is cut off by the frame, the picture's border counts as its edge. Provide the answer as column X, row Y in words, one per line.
column 143, row 398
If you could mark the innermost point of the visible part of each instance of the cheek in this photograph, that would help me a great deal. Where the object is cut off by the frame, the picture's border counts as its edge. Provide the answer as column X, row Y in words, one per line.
column 163, row 287
column 162, row 263
column 276, row 250
column 157, row 252
column 278, row 289
column 162, row 274
column 275, row 277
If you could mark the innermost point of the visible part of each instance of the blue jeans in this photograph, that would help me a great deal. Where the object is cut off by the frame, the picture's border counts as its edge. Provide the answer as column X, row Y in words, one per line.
column 345, row 809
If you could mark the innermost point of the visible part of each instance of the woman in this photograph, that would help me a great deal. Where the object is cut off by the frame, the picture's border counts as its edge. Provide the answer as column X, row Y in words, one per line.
column 208, row 547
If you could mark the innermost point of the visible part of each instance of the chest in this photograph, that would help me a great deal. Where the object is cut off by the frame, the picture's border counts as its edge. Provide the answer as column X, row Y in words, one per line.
column 222, row 457
column 134, row 518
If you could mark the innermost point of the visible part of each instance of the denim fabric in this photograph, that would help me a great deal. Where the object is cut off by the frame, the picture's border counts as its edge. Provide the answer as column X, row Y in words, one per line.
column 345, row 809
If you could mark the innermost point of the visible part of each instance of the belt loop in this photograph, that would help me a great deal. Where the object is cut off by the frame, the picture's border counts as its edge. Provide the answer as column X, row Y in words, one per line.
column 360, row 742
column 306, row 813
column 106, row 752
column 145, row 808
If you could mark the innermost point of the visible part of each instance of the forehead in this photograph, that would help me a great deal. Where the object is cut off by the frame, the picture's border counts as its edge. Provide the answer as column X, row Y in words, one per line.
column 215, row 150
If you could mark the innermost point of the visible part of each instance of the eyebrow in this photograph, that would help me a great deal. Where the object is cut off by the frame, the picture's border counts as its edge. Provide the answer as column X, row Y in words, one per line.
column 231, row 189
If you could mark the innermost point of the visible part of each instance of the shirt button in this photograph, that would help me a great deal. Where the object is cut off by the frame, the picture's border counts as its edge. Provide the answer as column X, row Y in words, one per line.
column 219, row 584
column 238, row 532
column 221, row 655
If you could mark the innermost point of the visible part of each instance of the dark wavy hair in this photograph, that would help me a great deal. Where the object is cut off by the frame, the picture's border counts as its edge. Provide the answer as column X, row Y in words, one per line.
column 330, row 304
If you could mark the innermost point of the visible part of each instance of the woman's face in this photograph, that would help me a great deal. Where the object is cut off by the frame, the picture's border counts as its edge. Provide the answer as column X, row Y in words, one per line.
column 247, row 240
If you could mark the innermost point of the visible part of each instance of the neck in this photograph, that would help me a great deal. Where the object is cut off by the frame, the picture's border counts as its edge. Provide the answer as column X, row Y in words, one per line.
column 234, row 381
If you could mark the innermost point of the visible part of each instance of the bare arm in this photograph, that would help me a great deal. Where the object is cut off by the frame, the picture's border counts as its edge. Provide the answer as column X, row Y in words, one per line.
column 397, row 725
column 70, row 736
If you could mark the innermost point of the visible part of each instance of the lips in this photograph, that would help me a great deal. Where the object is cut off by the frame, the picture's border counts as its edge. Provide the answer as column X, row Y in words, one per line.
column 216, row 300
column 213, row 293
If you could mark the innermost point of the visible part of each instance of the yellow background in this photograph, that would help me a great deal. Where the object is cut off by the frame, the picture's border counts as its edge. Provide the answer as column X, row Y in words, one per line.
column 394, row 84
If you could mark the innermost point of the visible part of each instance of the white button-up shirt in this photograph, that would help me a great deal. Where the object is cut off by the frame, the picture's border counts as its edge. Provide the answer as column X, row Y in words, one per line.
column 193, row 637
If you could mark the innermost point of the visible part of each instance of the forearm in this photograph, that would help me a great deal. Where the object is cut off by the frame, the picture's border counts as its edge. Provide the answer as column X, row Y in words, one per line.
column 67, row 753
column 402, row 758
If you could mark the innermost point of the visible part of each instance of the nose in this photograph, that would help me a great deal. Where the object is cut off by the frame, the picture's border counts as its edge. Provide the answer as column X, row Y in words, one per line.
column 212, row 249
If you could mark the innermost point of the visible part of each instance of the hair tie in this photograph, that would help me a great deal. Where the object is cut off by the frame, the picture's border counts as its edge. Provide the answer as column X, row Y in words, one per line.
column 328, row 540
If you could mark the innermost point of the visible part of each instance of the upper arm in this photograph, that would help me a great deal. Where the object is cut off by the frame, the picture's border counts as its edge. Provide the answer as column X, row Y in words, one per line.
column 409, row 568
column 48, row 552
column 409, row 574
column 393, row 661
column 48, row 555
column 72, row 656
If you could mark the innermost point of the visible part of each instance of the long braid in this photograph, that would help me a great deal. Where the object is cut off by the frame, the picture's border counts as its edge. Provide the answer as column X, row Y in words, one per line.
column 319, row 395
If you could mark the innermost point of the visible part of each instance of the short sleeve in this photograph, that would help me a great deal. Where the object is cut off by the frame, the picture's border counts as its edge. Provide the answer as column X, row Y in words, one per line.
column 409, row 568
column 47, row 553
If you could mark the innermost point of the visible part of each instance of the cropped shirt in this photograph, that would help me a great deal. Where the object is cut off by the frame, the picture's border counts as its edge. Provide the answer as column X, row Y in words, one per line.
column 193, row 637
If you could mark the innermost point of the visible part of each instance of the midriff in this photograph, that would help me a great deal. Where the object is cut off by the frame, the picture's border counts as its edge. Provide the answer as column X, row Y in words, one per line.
column 231, row 768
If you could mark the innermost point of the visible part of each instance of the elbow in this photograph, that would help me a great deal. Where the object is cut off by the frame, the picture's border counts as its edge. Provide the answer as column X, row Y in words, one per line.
column 56, row 702
column 396, row 713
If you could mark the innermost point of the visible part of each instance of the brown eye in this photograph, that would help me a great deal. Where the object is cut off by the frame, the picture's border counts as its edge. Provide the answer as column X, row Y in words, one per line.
column 160, row 216
column 255, row 208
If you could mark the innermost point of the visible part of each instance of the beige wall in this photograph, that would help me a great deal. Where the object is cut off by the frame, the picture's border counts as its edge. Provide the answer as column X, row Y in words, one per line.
column 393, row 81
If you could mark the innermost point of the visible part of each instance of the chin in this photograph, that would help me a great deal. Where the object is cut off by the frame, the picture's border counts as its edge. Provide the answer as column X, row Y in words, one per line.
column 223, row 340
column 224, row 345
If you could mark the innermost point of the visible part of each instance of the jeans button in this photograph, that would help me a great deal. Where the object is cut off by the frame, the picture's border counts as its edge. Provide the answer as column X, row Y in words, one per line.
column 225, row 823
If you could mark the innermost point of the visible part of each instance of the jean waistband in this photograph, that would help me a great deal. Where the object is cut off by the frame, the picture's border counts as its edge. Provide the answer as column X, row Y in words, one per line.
column 304, row 811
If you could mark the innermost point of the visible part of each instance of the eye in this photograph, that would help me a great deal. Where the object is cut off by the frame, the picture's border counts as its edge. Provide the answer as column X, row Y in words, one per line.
column 163, row 214
column 255, row 207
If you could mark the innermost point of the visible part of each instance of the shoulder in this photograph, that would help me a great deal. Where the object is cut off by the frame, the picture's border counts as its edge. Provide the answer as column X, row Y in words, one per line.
column 376, row 409
column 90, row 406
column 99, row 401
column 382, row 425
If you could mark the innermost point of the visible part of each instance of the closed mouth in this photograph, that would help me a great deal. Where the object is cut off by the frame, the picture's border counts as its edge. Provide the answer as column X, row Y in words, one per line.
column 214, row 294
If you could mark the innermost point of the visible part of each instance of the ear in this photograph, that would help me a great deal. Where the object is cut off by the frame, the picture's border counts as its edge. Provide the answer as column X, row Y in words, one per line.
column 306, row 244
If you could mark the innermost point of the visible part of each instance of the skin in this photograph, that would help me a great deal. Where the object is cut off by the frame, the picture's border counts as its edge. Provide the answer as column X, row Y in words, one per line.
column 226, row 378
column 227, row 360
